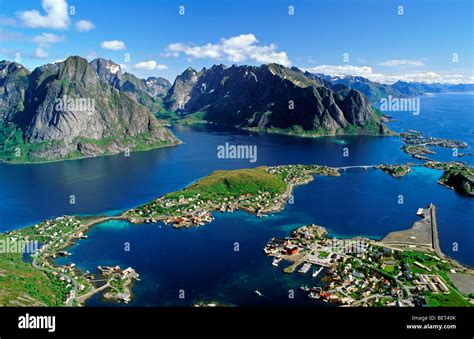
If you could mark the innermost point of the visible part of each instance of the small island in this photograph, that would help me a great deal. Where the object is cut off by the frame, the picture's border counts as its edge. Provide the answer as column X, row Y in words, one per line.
column 417, row 145
column 396, row 171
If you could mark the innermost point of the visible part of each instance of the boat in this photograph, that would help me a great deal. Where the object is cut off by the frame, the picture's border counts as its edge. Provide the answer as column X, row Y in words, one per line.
column 304, row 288
column 257, row 292
column 313, row 295
column 315, row 273
column 276, row 261
column 305, row 268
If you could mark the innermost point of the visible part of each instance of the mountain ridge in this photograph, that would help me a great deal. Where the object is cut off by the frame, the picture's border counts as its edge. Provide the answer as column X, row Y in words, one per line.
column 272, row 98
column 52, row 125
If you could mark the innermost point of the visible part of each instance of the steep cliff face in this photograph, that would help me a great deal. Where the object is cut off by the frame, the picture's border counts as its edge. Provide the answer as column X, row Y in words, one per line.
column 13, row 83
column 157, row 86
column 70, row 112
column 179, row 94
column 272, row 97
column 147, row 92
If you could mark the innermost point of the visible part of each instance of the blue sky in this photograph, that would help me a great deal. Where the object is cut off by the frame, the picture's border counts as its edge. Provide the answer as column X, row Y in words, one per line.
column 432, row 41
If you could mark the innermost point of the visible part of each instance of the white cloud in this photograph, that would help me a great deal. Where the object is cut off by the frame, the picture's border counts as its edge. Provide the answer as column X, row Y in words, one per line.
column 398, row 63
column 56, row 17
column 84, row 26
column 114, row 45
column 150, row 66
column 47, row 39
column 235, row 49
column 40, row 53
column 367, row 72
column 342, row 70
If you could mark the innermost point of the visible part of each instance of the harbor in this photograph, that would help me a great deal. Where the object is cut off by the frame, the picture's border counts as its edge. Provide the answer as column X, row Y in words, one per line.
column 406, row 268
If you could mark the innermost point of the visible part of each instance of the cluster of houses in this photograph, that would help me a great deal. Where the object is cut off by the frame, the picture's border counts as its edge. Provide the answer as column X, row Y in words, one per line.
column 196, row 211
column 107, row 271
column 431, row 282
column 125, row 279
column 278, row 246
column 360, row 272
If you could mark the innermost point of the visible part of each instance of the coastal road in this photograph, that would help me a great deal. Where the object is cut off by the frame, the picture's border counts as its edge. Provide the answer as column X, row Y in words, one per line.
column 75, row 284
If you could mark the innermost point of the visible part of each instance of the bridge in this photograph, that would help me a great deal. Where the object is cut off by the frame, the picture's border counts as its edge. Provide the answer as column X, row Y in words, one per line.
column 364, row 167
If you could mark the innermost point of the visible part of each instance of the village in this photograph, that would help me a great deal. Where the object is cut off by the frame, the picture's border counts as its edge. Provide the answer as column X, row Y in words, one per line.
column 364, row 272
column 54, row 237
column 193, row 208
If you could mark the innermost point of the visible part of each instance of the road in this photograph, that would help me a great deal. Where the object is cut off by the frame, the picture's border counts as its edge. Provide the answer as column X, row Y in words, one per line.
column 67, row 277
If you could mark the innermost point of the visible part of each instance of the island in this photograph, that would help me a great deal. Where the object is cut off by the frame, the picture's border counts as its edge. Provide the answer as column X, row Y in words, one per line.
column 396, row 171
column 457, row 176
column 417, row 145
column 259, row 191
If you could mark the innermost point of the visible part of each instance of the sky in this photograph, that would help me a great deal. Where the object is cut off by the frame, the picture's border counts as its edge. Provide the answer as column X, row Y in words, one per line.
column 383, row 40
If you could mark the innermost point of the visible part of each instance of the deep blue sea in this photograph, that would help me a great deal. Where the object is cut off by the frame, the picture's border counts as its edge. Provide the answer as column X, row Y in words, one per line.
column 202, row 261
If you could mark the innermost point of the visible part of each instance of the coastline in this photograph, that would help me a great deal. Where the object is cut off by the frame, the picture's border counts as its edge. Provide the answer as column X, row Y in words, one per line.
column 42, row 162
column 409, row 270
column 301, row 175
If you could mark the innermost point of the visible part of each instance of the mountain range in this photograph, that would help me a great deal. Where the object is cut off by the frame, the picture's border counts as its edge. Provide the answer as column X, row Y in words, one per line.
column 75, row 108
column 64, row 110
column 272, row 98
column 376, row 91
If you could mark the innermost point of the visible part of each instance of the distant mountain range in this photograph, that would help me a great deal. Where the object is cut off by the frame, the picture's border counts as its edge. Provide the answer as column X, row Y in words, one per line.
column 376, row 91
column 75, row 108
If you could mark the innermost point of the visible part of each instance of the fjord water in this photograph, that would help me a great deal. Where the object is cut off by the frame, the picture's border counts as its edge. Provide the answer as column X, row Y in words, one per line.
column 202, row 261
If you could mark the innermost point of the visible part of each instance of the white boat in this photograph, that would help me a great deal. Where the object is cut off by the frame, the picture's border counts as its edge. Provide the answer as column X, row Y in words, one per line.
column 315, row 273
column 304, row 288
column 257, row 292
column 305, row 268
column 276, row 261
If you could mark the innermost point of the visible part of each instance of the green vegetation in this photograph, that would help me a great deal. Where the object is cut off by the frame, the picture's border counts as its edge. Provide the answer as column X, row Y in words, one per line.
column 23, row 285
column 13, row 147
column 37, row 280
column 395, row 170
column 323, row 254
column 184, row 119
column 389, row 269
column 460, row 179
column 256, row 190
column 231, row 183
column 444, row 300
